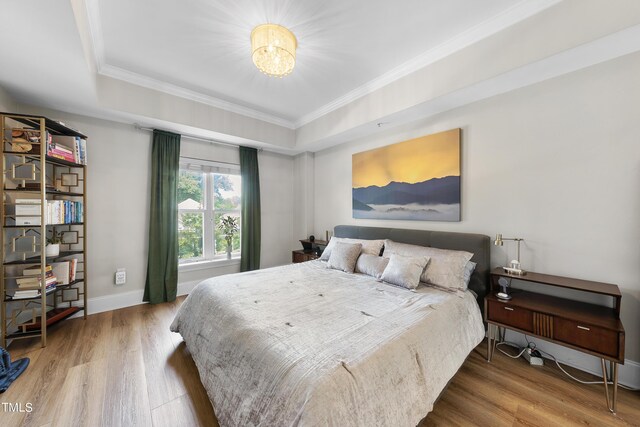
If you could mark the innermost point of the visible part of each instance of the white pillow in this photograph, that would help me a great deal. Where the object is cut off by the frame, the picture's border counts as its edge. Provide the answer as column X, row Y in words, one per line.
column 371, row 265
column 446, row 267
column 372, row 247
column 404, row 271
column 344, row 256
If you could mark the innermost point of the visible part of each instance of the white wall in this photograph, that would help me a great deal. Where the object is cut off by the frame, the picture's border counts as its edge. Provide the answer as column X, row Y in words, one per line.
column 304, row 172
column 277, row 204
column 6, row 102
column 460, row 75
column 118, row 205
column 557, row 163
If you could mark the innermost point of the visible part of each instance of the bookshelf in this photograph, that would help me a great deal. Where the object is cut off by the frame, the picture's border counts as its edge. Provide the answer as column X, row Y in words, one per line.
column 43, row 185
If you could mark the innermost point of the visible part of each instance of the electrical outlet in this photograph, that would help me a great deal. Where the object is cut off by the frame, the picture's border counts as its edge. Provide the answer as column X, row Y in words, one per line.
column 121, row 276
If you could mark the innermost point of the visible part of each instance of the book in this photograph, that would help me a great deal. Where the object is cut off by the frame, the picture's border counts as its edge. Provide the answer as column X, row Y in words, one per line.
column 73, row 268
column 76, row 150
column 64, row 212
column 31, row 293
column 62, row 270
column 63, row 141
column 52, row 282
column 58, row 148
column 83, row 151
column 36, row 269
column 70, row 148
column 35, row 280
column 61, row 157
column 25, row 294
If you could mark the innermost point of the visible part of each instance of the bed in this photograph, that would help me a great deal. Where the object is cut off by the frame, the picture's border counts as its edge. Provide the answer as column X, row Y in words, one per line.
column 305, row 345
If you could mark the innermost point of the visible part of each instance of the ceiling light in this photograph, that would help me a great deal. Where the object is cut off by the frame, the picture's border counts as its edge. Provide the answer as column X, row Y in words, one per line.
column 273, row 49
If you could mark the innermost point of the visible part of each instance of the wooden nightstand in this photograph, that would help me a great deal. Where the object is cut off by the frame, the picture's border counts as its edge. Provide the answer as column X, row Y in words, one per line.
column 589, row 328
column 302, row 256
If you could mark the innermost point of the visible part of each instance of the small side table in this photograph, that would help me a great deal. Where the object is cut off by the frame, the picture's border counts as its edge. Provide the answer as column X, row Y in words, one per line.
column 589, row 328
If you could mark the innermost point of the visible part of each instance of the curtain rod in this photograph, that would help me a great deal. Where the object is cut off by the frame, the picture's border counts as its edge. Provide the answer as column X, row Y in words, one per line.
column 209, row 161
column 197, row 138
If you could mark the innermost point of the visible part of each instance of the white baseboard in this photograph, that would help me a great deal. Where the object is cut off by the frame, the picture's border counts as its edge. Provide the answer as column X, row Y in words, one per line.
column 115, row 301
column 628, row 374
column 129, row 299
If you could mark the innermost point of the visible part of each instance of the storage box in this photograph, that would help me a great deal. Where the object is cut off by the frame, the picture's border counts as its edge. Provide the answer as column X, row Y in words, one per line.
column 28, row 209
column 28, row 220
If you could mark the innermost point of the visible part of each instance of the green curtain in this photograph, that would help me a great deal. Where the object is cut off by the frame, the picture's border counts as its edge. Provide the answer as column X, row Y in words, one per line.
column 162, row 266
column 250, row 217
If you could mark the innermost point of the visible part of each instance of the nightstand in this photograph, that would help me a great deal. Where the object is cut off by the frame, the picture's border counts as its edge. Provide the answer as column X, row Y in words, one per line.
column 308, row 254
column 589, row 328
column 301, row 255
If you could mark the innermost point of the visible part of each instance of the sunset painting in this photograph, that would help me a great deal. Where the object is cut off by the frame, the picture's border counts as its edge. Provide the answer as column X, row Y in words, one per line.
column 418, row 179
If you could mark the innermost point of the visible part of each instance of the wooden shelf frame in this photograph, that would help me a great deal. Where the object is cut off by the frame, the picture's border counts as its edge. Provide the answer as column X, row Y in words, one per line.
column 57, row 167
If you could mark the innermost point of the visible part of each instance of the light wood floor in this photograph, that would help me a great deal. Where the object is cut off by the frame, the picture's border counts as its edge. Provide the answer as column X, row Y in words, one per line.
column 125, row 368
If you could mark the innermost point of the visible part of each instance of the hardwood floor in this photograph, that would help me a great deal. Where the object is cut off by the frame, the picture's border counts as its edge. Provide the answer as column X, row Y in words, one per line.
column 125, row 368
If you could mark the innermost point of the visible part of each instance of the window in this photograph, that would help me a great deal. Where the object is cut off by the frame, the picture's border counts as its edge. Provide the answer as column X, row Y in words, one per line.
column 207, row 195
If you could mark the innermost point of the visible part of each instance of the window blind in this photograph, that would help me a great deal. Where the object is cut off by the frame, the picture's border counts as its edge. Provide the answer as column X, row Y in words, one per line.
column 206, row 166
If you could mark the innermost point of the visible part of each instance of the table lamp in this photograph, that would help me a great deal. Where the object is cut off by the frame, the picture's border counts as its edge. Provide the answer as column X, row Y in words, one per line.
column 514, row 265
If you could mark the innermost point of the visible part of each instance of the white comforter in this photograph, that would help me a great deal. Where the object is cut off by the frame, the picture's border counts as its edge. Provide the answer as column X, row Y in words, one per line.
column 302, row 345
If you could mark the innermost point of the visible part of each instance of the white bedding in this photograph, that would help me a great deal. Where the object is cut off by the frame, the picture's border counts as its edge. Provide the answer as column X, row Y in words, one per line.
column 303, row 345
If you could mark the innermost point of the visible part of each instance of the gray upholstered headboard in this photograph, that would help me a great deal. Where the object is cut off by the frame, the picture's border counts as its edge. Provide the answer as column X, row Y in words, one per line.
column 478, row 244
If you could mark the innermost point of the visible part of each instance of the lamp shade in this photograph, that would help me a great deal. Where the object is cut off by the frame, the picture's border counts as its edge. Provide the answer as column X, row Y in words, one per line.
column 273, row 49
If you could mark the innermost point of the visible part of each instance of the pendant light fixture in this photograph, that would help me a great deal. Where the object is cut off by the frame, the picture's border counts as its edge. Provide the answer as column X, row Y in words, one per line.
column 273, row 49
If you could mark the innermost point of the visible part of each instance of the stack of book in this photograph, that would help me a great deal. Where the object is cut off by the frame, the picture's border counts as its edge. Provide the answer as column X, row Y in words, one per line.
column 70, row 148
column 64, row 212
column 65, row 271
column 58, row 212
column 30, row 286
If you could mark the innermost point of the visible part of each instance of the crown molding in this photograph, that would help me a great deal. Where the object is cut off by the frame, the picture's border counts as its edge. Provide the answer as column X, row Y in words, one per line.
column 95, row 31
column 519, row 12
column 583, row 56
column 522, row 10
column 107, row 70
column 171, row 89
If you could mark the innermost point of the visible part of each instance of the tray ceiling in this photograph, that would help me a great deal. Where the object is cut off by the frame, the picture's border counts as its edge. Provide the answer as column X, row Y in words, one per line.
column 344, row 46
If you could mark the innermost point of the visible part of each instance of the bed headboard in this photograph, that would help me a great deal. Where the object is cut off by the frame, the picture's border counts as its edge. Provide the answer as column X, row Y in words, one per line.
column 478, row 244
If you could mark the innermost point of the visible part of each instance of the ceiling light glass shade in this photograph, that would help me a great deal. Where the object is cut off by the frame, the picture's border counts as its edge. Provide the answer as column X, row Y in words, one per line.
column 273, row 49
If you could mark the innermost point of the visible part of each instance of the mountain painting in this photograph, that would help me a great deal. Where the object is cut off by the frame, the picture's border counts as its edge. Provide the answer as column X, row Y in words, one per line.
column 418, row 179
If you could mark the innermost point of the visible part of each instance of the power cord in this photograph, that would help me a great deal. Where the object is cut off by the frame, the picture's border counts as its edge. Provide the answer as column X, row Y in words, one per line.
column 531, row 345
column 510, row 344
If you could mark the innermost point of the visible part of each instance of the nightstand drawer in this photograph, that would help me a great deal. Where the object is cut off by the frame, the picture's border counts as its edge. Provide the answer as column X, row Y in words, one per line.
column 507, row 314
column 587, row 336
column 302, row 256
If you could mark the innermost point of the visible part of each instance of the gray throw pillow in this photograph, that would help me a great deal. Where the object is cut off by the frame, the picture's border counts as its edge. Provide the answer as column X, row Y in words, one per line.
column 404, row 271
column 371, row 265
column 373, row 247
column 446, row 267
column 344, row 256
